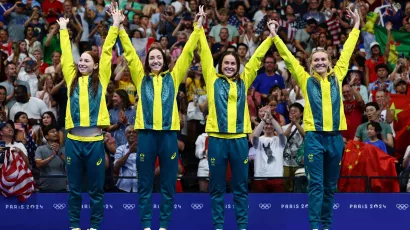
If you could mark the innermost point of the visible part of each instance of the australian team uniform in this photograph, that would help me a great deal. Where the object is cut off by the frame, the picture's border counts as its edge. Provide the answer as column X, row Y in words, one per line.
column 323, row 119
column 227, row 125
column 158, row 122
column 86, row 115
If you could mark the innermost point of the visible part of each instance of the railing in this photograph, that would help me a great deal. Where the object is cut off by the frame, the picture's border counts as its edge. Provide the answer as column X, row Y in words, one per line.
column 367, row 181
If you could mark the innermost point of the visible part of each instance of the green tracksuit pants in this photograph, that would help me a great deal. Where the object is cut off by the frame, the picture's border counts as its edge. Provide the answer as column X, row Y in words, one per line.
column 85, row 158
column 322, row 156
column 165, row 145
column 220, row 151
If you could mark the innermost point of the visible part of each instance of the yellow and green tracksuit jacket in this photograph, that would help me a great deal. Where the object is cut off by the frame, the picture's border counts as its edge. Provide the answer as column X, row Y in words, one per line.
column 323, row 96
column 227, row 98
column 157, row 107
column 83, row 108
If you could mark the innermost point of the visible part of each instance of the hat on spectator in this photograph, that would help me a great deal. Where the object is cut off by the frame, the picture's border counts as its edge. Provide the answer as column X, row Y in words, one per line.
column 398, row 81
column 374, row 44
column 355, row 69
column 3, row 124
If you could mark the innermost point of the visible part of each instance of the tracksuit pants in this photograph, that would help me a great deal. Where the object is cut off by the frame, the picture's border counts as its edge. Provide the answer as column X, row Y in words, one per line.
column 220, row 151
column 85, row 157
column 165, row 145
column 322, row 156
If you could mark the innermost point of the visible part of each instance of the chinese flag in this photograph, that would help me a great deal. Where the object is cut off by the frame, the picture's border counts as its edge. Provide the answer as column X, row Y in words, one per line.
column 361, row 159
column 400, row 105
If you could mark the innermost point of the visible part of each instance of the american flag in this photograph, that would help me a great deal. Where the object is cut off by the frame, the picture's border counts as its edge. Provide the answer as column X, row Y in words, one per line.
column 334, row 28
column 16, row 178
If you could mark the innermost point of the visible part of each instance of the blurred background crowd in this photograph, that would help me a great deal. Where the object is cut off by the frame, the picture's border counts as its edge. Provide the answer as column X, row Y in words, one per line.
column 33, row 94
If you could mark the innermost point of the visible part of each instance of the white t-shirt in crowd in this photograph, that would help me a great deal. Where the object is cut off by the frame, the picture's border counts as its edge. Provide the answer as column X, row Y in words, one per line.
column 203, row 166
column 31, row 79
column 293, row 144
column 34, row 108
column 268, row 157
column 19, row 146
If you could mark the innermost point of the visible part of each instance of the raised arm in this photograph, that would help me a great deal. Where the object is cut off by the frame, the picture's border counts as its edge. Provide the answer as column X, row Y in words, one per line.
column 254, row 63
column 205, row 54
column 106, row 55
column 184, row 61
column 296, row 70
column 134, row 62
column 342, row 65
column 67, row 61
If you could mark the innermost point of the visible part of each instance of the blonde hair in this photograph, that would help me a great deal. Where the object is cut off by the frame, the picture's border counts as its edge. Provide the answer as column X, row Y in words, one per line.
column 319, row 50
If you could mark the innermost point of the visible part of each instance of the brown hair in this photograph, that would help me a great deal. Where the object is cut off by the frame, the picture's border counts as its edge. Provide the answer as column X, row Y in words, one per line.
column 94, row 76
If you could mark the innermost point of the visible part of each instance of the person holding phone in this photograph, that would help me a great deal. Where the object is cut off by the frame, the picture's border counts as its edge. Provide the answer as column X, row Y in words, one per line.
column 157, row 121
column 86, row 116
column 323, row 119
column 7, row 133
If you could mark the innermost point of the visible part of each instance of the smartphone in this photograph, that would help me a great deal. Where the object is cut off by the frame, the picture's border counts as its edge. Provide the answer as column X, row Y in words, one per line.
column 19, row 126
column 2, row 144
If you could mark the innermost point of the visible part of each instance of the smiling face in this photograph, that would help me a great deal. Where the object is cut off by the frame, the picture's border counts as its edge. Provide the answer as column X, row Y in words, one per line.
column 347, row 93
column 268, row 128
column 116, row 100
column 229, row 66
column 320, row 62
column 86, row 64
column 155, row 61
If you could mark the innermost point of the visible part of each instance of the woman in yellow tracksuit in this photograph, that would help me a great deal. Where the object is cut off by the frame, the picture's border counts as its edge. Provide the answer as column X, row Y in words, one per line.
column 228, row 124
column 323, row 118
column 158, row 122
column 86, row 115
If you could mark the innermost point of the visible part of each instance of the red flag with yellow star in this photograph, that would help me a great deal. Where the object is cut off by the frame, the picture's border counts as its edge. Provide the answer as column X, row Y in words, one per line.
column 366, row 160
column 400, row 105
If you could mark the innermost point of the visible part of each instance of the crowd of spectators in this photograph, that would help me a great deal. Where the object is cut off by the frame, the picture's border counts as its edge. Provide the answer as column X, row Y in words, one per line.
column 33, row 94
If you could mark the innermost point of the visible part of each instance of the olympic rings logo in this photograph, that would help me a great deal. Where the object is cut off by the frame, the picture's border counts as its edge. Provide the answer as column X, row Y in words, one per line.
column 60, row 206
column 128, row 207
column 336, row 205
column 402, row 207
column 265, row 206
column 195, row 206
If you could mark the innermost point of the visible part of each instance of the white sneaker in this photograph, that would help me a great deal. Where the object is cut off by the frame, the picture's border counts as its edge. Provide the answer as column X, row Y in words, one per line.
column 162, row 229
column 76, row 229
column 91, row 229
column 147, row 229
